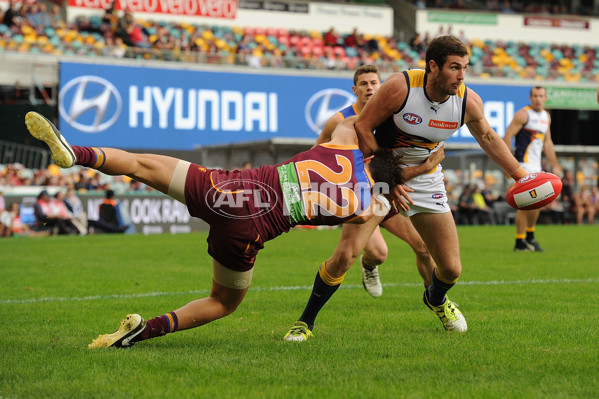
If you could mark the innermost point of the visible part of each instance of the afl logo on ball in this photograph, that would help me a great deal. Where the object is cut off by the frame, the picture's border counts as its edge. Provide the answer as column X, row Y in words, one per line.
column 412, row 119
column 527, row 178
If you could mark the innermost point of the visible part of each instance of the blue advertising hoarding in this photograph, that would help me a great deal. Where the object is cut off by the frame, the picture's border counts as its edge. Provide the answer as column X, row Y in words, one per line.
column 135, row 107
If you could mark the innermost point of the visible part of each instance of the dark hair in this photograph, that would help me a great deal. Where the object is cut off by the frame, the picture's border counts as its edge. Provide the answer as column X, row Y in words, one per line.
column 538, row 88
column 386, row 167
column 109, row 194
column 443, row 46
column 368, row 68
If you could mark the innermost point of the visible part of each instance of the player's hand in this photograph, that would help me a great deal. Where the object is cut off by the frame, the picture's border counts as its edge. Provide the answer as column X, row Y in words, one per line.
column 435, row 158
column 400, row 197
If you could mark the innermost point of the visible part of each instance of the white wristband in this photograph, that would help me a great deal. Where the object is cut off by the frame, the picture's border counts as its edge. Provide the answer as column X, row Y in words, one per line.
column 384, row 201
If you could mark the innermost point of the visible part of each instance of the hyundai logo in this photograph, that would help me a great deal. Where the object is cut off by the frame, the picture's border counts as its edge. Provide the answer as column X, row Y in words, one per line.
column 89, row 103
column 325, row 103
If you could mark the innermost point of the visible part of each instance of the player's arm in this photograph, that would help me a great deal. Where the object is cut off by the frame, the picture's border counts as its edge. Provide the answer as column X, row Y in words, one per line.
column 488, row 139
column 520, row 119
column 549, row 151
column 344, row 133
column 378, row 209
column 381, row 106
column 327, row 129
column 428, row 165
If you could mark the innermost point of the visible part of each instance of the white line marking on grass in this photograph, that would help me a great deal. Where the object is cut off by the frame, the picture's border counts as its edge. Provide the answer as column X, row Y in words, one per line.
column 289, row 288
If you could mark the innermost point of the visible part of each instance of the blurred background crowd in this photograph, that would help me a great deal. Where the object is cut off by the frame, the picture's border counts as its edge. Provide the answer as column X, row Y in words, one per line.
column 35, row 27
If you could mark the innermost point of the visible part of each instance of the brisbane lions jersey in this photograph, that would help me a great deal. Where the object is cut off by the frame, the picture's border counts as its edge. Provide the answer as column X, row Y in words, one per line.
column 326, row 185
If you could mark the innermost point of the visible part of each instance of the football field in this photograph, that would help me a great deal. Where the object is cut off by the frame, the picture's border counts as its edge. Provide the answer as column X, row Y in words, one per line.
column 533, row 321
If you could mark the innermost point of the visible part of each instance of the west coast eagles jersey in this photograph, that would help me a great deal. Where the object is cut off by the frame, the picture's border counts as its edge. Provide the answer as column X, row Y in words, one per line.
column 420, row 125
column 530, row 139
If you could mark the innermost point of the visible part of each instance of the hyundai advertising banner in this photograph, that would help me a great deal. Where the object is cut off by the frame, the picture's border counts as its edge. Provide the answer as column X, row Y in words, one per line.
column 170, row 109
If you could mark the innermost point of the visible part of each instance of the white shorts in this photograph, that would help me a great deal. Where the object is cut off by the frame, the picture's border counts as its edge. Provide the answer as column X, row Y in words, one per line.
column 429, row 194
column 531, row 167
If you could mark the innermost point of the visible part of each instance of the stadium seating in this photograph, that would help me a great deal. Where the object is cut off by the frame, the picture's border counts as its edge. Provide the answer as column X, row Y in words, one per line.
column 280, row 47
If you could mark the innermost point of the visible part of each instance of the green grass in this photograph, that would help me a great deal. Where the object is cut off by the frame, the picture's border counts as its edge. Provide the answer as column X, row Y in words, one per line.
column 532, row 318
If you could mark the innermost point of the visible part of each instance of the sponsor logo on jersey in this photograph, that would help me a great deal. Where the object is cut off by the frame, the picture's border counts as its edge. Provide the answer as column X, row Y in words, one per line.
column 412, row 119
column 90, row 103
column 325, row 103
column 443, row 124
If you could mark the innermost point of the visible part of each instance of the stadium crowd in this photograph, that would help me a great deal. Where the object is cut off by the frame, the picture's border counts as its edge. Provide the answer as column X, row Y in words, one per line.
column 32, row 28
column 62, row 212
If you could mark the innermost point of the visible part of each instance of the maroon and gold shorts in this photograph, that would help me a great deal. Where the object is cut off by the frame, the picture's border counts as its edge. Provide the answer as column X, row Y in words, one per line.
column 233, row 240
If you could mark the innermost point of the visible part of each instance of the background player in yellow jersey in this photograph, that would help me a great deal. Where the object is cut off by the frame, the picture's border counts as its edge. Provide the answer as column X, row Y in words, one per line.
column 414, row 112
column 531, row 131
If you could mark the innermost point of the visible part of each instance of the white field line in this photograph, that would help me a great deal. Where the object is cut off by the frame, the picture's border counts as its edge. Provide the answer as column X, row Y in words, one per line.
column 288, row 288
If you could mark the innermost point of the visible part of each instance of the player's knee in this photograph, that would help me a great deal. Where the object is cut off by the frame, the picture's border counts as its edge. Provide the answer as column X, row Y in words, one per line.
column 376, row 257
column 451, row 272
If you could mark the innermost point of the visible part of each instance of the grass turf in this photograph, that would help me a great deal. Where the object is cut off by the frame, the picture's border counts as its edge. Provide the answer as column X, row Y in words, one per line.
column 532, row 321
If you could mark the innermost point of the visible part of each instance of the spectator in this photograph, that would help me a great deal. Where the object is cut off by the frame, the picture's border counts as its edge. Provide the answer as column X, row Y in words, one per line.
column 586, row 205
column 483, row 213
column 506, row 8
column 46, row 218
column 135, row 185
column 567, row 195
column 4, row 219
column 458, row 5
column 75, row 207
column 11, row 15
column 16, row 227
column 466, row 206
column 56, row 17
column 109, row 216
column 59, row 207
column 417, row 43
column 353, row 39
column 331, row 38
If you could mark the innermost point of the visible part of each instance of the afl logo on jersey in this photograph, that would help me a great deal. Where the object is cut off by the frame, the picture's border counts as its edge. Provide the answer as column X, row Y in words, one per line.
column 412, row 119
column 438, row 196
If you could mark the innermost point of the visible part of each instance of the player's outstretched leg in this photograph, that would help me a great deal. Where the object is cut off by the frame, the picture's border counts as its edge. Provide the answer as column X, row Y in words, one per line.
column 131, row 327
column 154, row 170
column 44, row 130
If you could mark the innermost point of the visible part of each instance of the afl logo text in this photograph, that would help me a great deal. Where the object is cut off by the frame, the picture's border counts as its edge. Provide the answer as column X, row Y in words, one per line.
column 412, row 119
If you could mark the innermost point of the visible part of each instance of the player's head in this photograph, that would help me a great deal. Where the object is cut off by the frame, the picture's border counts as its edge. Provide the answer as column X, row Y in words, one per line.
column 446, row 62
column 367, row 81
column 386, row 167
column 440, row 48
column 538, row 97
